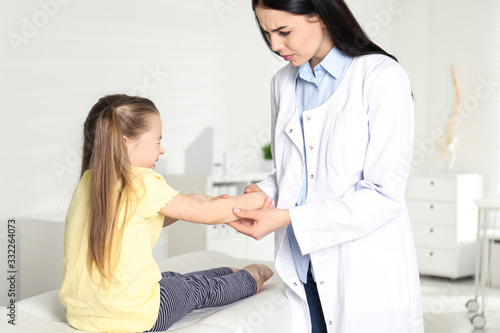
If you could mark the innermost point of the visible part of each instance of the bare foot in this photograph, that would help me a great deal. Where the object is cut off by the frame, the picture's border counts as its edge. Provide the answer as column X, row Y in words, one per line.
column 261, row 273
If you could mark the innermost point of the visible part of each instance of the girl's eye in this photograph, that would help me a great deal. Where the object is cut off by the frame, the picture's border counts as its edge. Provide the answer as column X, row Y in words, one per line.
column 284, row 33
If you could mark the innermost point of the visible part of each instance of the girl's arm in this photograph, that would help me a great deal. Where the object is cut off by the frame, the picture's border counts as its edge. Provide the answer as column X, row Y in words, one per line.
column 168, row 220
column 203, row 196
column 193, row 208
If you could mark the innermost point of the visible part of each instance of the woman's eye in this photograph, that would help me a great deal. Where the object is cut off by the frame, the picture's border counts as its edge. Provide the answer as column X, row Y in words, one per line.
column 284, row 33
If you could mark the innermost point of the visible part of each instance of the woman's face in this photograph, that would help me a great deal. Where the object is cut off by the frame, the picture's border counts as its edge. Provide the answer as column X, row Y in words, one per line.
column 297, row 38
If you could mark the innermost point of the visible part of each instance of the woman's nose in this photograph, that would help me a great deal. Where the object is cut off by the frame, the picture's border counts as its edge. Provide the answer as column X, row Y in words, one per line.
column 276, row 43
column 162, row 151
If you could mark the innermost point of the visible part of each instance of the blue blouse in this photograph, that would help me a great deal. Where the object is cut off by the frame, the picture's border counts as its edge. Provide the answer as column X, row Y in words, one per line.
column 311, row 91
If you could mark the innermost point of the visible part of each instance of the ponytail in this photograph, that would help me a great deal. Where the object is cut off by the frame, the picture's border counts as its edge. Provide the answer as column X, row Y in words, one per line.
column 105, row 154
column 109, row 163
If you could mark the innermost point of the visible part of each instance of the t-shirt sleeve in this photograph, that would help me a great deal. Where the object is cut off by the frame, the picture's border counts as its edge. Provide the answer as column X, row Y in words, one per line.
column 158, row 194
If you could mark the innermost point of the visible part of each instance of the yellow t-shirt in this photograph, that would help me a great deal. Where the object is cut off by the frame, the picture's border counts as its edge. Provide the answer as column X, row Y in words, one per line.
column 132, row 300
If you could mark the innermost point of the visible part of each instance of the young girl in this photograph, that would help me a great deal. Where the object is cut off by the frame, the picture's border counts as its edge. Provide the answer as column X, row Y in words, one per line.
column 111, row 281
column 342, row 138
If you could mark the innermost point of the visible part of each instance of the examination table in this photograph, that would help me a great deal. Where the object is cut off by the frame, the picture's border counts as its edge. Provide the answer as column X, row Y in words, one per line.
column 265, row 312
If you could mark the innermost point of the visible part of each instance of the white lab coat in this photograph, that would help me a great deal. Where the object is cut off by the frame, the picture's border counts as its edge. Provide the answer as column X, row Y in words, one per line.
column 355, row 223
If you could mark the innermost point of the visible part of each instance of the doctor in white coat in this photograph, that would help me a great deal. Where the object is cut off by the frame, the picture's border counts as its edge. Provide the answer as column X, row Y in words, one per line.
column 342, row 138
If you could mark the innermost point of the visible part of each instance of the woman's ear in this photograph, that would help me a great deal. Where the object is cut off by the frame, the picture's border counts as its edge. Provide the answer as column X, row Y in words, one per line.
column 315, row 19
column 323, row 25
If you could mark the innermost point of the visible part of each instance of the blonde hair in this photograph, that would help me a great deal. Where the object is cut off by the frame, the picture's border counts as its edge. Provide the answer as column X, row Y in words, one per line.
column 105, row 154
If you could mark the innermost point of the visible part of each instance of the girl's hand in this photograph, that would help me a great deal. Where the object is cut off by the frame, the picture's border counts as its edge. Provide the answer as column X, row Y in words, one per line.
column 252, row 188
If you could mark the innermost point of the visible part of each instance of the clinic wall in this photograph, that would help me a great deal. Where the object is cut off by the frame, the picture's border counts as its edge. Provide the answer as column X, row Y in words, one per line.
column 59, row 57
column 185, row 56
column 429, row 37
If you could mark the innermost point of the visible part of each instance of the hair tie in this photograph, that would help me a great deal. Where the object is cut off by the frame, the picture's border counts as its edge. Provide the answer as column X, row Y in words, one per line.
column 110, row 107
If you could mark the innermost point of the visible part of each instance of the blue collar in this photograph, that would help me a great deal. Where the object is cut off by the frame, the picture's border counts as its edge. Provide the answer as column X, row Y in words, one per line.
column 333, row 63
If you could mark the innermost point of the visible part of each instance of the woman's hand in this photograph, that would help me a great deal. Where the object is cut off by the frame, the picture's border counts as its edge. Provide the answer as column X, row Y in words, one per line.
column 250, row 189
column 261, row 222
column 268, row 203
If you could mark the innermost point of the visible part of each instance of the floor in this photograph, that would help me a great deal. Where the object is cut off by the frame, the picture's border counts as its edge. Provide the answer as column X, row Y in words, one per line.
column 444, row 308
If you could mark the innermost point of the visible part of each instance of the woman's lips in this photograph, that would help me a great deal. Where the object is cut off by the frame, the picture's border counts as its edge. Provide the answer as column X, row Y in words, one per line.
column 288, row 57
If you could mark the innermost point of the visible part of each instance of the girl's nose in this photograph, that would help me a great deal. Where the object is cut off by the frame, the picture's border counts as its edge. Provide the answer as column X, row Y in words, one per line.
column 162, row 151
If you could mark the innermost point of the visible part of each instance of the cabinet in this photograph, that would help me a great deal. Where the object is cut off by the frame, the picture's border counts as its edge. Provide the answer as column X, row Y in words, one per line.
column 444, row 222
column 188, row 237
column 41, row 251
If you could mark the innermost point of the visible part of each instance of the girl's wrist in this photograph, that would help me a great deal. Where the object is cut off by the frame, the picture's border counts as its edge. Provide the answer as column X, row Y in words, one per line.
column 285, row 217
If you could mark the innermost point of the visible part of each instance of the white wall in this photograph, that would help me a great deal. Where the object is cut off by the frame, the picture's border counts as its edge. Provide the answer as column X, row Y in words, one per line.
column 180, row 54
column 207, row 66
column 58, row 57
column 429, row 37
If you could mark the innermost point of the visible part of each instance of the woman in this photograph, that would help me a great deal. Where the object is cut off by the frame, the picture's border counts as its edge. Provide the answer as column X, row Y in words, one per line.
column 342, row 138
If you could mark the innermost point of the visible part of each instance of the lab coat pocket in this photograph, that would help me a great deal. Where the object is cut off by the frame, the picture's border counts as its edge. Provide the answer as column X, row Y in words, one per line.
column 375, row 280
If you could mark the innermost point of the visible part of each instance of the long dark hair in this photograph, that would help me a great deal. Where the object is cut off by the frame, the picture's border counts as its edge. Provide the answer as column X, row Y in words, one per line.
column 344, row 29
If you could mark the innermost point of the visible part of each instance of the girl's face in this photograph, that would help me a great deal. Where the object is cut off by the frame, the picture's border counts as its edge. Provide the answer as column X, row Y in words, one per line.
column 145, row 151
column 297, row 38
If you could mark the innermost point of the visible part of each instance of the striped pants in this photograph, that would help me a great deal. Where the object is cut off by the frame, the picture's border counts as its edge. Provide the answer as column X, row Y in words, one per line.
column 182, row 293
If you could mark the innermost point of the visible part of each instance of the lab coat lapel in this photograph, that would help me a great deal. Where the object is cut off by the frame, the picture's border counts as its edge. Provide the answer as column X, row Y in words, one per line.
column 290, row 114
column 293, row 130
